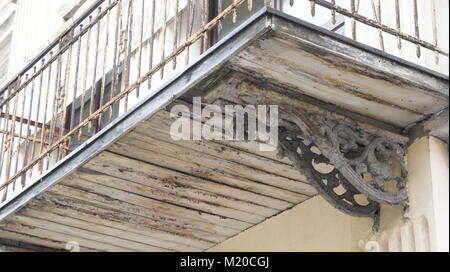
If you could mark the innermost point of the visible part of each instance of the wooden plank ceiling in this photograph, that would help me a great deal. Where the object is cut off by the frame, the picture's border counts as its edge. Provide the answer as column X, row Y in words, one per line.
column 148, row 192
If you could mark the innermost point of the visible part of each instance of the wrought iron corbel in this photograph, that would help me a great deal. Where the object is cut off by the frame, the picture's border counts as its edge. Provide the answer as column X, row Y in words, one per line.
column 358, row 165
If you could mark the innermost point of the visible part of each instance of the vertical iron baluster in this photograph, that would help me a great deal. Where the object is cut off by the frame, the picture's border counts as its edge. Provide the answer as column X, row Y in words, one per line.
column 353, row 21
column 190, row 29
column 11, row 133
column 55, row 108
column 434, row 27
column 220, row 8
column 398, row 23
column 234, row 13
column 163, row 36
column 376, row 9
column 75, row 84
column 416, row 26
column 175, row 32
column 313, row 8
column 333, row 12
column 128, row 42
column 94, row 76
column 141, row 40
column 38, row 116
column 151, row 42
column 116, row 57
column 5, row 134
column 61, row 152
column 9, row 140
column 27, row 140
column 105, row 62
column 85, row 75
column 8, row 135
column 44, row 129
column 21, row 124
column 205, row 18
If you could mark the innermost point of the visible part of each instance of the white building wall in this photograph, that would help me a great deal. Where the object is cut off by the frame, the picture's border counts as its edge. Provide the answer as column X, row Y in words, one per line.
column 35, row 25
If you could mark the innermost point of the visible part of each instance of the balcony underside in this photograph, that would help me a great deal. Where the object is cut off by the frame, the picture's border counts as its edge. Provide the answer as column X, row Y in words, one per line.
column 132, row 188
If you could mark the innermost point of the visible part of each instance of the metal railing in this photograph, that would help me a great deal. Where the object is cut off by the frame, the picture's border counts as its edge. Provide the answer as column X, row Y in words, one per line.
column 118, row 52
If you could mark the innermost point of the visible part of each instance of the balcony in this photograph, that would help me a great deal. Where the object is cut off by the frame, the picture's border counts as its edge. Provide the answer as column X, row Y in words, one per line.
column 86, row 154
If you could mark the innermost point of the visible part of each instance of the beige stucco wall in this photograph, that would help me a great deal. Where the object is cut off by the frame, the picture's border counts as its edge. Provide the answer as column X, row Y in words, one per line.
column 429, row 188
column 311, row 226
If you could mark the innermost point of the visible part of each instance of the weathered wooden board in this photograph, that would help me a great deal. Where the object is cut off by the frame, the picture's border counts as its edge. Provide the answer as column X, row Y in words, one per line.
column 172, row 215
column 135, row 144
column 124, row 184
column 149, row 184
column 226, row 178
column 332, row 79
column 55, row 235
column 108, row 216
column 230, row 150
column 22, row 236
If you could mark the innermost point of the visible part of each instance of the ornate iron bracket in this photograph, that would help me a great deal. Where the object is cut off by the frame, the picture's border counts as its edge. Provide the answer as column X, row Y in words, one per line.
column 352, row 169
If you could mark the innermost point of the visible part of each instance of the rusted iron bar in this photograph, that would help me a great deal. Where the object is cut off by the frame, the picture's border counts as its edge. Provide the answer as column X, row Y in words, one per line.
column 195, row 37
column 38, row 113
column 219, row 9
column 85, row 75
column 54, row 55
column 333, row 13
column 28, row 141
column 105, row 62
column 65, row 96
column 376, row 9
column 41, row 148
column 175, row 32
column 205, row 17
column 28, row 138
column 416, row 26
column 151, row 41
column 17, row 119
column 128, row 41
column 434, row 28
column 21, row 124
column 234, row 14
column 313, row 8
column 94, row 73
column 141, row 38
column 162, row 35
column 190, row 28
column 383, row 27
column 75, row 83
column 398, row 23
column 56, row 104
column 4, row 142
column 353, row 21
column 116, row 58
column 11, row 140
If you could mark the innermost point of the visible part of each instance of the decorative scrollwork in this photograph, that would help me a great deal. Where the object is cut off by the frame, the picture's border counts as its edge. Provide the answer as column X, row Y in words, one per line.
column 353, row 169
